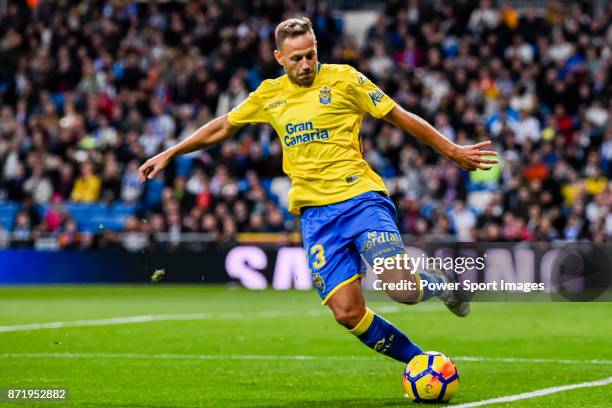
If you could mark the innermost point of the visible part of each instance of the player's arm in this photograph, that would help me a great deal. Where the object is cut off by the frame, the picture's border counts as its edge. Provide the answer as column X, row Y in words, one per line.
column 467, row 157
column 212, row 133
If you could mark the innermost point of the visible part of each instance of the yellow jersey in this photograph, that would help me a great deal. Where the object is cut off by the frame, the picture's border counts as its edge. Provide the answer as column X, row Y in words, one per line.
column 319, row 128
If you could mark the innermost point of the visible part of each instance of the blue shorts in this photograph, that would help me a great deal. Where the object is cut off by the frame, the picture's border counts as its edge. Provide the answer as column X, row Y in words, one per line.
column 337, row 236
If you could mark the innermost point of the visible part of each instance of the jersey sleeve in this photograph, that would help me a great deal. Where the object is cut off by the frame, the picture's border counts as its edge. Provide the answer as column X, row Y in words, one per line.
column 251, row 110
column 367, row 96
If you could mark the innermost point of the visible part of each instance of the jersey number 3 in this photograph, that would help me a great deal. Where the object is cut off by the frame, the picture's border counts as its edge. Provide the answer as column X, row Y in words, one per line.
column 319, row 256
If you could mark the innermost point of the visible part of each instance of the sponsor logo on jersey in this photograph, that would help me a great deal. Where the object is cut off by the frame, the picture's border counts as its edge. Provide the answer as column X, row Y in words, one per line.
column 376, row 96
column 305, row 132
column 325, row 95
column 275, row 104
column 361, row 79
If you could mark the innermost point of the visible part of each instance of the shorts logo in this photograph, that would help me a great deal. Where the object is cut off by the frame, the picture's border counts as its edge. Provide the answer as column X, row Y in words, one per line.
column 319, row 282
column 376, row 96
column 325, row 95
column 384, row 240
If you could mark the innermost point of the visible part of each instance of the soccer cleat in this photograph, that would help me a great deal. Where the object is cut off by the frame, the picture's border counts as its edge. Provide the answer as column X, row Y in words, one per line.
column 455, row 300
column 459, row 308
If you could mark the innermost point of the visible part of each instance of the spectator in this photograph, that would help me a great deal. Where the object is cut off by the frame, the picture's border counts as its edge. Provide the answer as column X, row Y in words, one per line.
column 131, row 187
column 527, row 127
column 87, row 186
column 380, row 64
column 38, row 185
column 484, row 18
column 231, row 98
column 56, row 214
column 111, row 180
column 463, row 220
column 70, row 237
column 22, row 230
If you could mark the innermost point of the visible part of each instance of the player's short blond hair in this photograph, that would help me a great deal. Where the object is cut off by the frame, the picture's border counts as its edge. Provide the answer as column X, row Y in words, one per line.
column 292, row 27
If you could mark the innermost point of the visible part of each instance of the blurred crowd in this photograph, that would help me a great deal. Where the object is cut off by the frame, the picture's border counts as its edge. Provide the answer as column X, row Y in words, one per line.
column 90, row 89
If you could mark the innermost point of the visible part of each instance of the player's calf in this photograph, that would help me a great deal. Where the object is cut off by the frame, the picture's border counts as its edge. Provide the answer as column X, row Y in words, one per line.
column 401, row 286
column 348, row 305
column 349, row 309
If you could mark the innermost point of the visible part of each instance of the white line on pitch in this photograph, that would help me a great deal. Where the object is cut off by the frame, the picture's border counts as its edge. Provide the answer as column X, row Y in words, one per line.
column 531, row 360
column 139, row 356
column 193, row 316
column 281, row 357
column 537, row 393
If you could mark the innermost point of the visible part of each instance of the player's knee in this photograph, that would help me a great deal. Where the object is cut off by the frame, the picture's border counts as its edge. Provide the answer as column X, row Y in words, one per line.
column 349, row 317
column 348, row 305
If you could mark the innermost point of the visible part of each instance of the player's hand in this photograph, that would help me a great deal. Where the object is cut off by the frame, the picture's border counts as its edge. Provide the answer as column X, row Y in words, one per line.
column 474, row 157
column 153, row 166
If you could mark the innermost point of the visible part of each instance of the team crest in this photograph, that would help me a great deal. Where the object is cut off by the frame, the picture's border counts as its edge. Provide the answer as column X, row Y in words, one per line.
column 319, row 282
column 325, row 95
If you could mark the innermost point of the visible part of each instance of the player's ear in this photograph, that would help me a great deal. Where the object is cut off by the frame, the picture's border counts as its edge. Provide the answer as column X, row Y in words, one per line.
column 277, row 57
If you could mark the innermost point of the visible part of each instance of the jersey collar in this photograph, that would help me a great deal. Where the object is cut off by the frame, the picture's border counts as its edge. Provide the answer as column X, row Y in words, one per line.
column 317, row 73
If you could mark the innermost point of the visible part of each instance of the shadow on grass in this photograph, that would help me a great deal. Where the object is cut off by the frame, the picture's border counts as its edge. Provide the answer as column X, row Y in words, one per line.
column 347, row 403
column 339, row 403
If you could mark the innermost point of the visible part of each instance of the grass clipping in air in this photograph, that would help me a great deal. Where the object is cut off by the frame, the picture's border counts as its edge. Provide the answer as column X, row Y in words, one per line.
column 158, row 275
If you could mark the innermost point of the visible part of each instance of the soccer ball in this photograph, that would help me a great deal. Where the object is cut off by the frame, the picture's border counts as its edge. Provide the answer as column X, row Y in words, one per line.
column 431, row 377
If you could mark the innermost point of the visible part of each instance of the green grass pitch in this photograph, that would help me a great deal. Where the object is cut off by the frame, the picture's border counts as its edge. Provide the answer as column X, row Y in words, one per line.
column 240, row 348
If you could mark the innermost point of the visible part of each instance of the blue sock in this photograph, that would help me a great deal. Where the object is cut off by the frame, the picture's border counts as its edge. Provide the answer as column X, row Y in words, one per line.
column 426, row 292
column 380, row 335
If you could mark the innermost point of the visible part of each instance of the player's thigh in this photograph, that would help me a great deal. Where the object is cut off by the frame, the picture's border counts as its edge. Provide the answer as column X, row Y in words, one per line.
column 371, row 224
column 376, row 247
column 373, row 228
column 376, row 235
column 333, row 260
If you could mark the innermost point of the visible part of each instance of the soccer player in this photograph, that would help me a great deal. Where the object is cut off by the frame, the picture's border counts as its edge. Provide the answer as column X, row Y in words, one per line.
column 346, row 214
